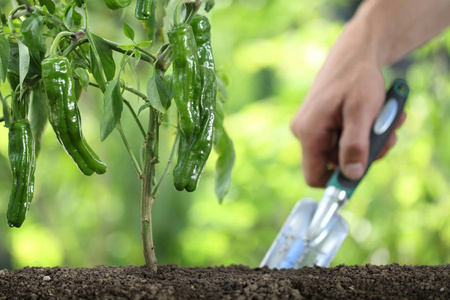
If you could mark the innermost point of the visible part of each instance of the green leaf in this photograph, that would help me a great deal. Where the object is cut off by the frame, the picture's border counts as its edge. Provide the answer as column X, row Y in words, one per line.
column 103, row 67
column 224, row 147
column 31, row 29
column 112, row 108
column 38, row 116
column 168, row 82
column 129, row 32
column 137, row 57
column 126, row 47
column 157, row 93
column 96, row 65
column 24, row 62
column 80, row 63
column 84, row 77
column 6, row 112
column 221, row 89
column 144, row 44
column 144, row 107
column 49, row 4
column 4, row 57
column 79, row 3
column 3, row 18
column 106, row 57
column 77, row 88
column 225, row 162
column 72, row 18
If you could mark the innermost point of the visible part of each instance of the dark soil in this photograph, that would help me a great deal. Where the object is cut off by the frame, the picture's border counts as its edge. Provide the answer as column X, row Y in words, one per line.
column 233, row 282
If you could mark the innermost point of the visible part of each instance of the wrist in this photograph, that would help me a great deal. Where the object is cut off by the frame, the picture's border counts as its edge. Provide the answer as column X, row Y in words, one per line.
column 365, row 34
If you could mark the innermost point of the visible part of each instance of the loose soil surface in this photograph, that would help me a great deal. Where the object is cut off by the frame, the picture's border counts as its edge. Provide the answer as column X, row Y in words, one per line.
column 232, row 282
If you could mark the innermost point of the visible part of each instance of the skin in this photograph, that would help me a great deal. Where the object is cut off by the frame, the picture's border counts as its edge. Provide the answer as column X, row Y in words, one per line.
column 334, row 122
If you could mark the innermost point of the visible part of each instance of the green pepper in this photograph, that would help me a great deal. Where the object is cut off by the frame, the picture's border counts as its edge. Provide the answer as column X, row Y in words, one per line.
column 38, row 116
column 193, row 152
column 64, row 116
column 186, row 77
column 144, row 9
column 116, row 4
column 22, row 157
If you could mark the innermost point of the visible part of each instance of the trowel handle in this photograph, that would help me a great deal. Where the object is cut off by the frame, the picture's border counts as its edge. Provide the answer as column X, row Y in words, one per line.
column 381, row 130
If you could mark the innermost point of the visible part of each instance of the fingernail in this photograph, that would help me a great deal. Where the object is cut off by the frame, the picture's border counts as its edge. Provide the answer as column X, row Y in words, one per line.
column 354, row 171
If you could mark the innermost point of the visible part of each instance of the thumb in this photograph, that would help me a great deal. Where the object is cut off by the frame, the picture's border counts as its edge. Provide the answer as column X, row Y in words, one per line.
column 358, row 117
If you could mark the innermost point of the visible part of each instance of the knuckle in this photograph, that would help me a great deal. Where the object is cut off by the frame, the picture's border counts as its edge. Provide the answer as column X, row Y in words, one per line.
column 301, row 128
column 353, row 149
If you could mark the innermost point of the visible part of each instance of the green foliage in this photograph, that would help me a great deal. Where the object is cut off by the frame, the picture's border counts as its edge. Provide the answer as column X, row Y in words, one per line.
column 400, row 212
column 157, row 93
column 4, row 57
column 112, row 107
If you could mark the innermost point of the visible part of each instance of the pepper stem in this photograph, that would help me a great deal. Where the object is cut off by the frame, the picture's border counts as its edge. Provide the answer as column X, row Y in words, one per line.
column 12, row 16
column 191, row 9
column 59, row 36
column 177, row 15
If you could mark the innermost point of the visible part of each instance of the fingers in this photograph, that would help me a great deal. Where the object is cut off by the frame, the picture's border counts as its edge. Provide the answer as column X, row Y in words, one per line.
column 359, row 112
column 317, row 144
column 355, row 144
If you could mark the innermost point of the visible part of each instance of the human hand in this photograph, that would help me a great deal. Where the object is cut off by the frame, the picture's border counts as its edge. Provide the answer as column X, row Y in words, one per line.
column 335, row 120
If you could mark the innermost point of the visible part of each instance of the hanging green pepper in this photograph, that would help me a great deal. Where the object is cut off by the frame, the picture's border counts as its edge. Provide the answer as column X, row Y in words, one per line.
column 64, row 116
column 193, row 152
column 186, row 77
column 116, row 4
column 22, row 157
column 144, row 9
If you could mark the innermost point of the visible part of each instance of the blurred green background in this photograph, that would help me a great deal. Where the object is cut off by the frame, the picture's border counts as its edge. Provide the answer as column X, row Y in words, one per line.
column 271, row 51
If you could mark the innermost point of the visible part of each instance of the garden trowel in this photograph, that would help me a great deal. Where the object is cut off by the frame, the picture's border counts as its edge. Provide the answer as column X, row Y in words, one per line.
column 314, row 231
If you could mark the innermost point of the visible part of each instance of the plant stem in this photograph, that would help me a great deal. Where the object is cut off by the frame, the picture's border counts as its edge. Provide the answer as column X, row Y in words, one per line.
column 169, row 163
column 150, row 159
column 129, row 150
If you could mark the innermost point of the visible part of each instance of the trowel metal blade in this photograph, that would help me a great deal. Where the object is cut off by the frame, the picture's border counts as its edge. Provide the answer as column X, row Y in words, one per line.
column 292, row 249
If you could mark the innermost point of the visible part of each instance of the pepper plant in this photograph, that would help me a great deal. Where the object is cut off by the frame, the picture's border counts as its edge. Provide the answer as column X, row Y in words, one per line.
column 49, row 57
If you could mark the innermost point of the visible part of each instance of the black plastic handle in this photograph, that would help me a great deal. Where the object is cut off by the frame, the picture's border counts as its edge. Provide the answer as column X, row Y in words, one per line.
column 381, row 130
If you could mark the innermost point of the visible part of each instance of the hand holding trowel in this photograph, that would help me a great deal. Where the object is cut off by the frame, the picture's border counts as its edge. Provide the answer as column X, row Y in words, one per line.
column 314, row 232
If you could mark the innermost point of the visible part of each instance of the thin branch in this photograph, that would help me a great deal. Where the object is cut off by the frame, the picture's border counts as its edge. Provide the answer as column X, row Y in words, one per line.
column 144, row 54
column 73, row 45
column 11, row 17
column 126, row 87
column 169, row 164
column 129, row 150
column 134, row 116
column 134, row 91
